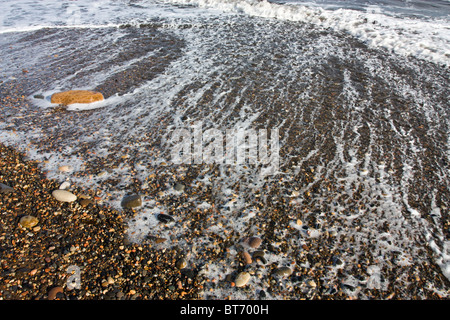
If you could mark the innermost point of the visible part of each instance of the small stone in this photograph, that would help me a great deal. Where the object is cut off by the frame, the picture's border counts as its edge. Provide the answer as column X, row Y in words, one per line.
column 164, row 218
column 64, row 185
column 85, row 202
column 132, row 201
column 64, row 196
column 253, row 242
column 28, row 221
column 65, row 168
column 108, row 281
column 242, row 279
column 52, row 294
column 312, row 284
column 160, row 240
column 179, row 187
column 181, row 263
column 283, row 271
column 5, row 189
column 247, row 258
column 38, row 96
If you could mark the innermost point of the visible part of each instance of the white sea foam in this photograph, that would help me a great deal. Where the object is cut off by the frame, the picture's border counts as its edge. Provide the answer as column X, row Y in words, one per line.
column 426, row 39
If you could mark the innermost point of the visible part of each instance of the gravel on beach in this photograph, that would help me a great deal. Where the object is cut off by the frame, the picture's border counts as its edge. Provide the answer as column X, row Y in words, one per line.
column 39, row 262
column 69, row 240
column 287, row 240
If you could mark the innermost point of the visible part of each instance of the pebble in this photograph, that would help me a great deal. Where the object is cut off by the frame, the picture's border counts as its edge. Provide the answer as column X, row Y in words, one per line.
column 64, row 185
column 65, row 168
column 164, row 218
column 86, row 202
column 179, row 187
column 132, row 201
column 5, row 189
column 64, row 196
column 283, row 271
column 54, row 292
column 181, row 263
column 108, row 281
column 242, row 279
column 253, row 242
column 28, row 221
column 247, row 257
column 312, row 284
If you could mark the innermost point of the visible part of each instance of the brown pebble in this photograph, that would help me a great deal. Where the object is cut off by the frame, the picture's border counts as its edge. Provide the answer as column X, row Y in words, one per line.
column 85, row 202
column 246, row 256
column 53, row 292
column 253, row 242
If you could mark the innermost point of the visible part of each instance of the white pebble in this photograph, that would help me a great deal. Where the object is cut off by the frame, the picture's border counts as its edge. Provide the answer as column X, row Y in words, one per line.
column 64, row 196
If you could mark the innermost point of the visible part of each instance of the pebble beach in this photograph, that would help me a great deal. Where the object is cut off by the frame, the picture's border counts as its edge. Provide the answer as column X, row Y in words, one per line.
column 93, row 208
column 37, row 259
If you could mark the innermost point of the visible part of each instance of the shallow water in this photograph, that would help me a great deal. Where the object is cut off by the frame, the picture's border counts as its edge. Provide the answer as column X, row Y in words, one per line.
column 363, row 126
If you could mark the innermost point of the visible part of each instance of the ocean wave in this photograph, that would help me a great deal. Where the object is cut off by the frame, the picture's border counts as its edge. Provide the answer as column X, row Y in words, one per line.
column 426, row 39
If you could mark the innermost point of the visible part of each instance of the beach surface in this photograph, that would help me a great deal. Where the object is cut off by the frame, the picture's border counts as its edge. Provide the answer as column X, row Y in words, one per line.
column 357, row 210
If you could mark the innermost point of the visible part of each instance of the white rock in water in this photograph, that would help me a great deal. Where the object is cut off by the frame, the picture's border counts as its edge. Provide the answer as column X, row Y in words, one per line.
column 64, row 196
column 64, row 185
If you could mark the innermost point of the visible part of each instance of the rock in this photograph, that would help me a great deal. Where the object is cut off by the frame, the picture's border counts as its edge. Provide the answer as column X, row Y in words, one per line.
column 181, row 263
column 65, row 168
column 242, row 279
column 246, row 256
column 107, row 282
column 5, row 189
column 253, row 242
column 52, row 294
column 164, row 218
column 28, row 221
column 156, row 239
column 38, row 96
column 132, row 201
column 76, row 96
column 283, row 271
column 179, row 187
column 85, row 202
column 64, row 196
column 64, row 185
column 259, row 256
